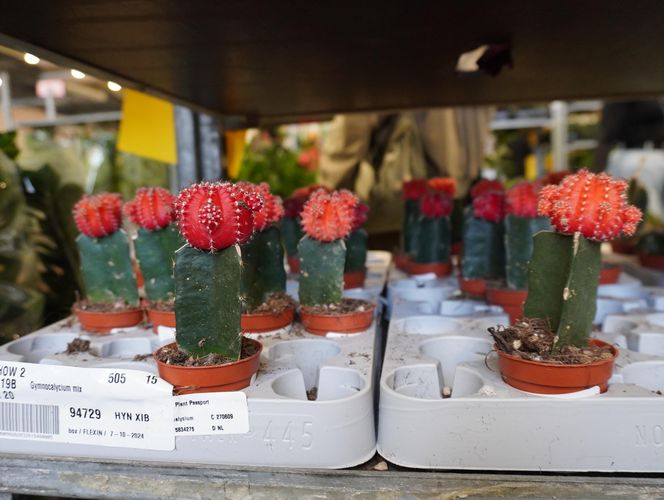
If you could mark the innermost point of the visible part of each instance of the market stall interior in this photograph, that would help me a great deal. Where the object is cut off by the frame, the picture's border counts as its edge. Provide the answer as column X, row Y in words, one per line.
column 370, row 238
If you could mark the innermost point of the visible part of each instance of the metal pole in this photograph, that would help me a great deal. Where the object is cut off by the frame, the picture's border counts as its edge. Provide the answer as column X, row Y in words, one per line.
column 187, row 171
column 6, row 101
column 209, row 144
column 559, row 126
column 49, row 105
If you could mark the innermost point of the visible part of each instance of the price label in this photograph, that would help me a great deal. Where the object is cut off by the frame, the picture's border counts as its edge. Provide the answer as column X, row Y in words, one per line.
column 96, row 406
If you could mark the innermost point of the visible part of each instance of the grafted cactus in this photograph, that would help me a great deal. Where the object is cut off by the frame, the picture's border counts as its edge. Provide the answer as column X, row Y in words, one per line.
column 327, row 218
column 434, row 225
column 263, row 270
column 413, row 190
column 483, row 233
column 356, row 241
column 104, row 250
column 585, row 209
column 291, row 229
column 156, row 241
column 521, row 224
column 214, row 219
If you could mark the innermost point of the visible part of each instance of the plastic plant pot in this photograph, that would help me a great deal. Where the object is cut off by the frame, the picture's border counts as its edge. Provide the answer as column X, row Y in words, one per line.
column 401, row 260
column 354, row 279
column 218, row 378
column 104, row 322
column 267, row 322
column 609, row 275
column 353, row 322
column 440, row 269
column 474, row 287
column 161, row 318
column 511, row 301
column 652, row 261
column 293, row 264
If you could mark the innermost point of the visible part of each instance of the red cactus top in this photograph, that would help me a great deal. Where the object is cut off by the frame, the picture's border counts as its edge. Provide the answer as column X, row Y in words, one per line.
column 414, row 189
column 99, row 215
column 522, row 199
column 436, row 204
column 272, row 210
column 360, row 214
column 216, row 215
column 295, row 202
column 484, row 186
column 151, row 208
column 443, row 184
column 594, row 205
column 490, row 206
column 329, row 216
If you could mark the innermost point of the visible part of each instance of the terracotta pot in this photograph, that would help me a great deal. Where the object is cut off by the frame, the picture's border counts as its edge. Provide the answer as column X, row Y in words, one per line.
column 267, row 322
column 474, row 286
column 220, row 378
column 511, row 301
column 401, row 260
column 440, row 269
column 104, row 322
column 609, row 275
column 161, row 318
column 623, row 246
column 354, row 279
column 546, row 378
column 652, row 261
column 293, row 264
column 320, row 324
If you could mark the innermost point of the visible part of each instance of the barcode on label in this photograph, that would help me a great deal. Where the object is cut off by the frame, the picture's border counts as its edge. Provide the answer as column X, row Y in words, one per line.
column 29, row 418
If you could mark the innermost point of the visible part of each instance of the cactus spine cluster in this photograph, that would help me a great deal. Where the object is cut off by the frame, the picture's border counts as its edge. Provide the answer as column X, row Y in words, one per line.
column 214, row 219
column 483, row 233
column 156, row 241
column 104, row 250
column 585, row 209
column 327, row 218
column 356, row 241
column 263, row 270
column 521, row 224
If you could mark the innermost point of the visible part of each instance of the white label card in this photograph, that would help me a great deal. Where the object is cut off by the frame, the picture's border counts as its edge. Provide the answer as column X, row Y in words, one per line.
column 95, row 406
column 211, row 413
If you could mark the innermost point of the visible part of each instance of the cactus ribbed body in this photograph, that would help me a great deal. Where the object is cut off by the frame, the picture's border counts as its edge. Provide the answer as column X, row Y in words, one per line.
column 356, row 251
column 106, row 269
column 483, row 248
column 292, row 233
column 435, row 247
column 207, row 301
column 262, row 267
column 155, row 251
column 321, row 271
column 562, row 285
column 519, row 232
column 411, row 229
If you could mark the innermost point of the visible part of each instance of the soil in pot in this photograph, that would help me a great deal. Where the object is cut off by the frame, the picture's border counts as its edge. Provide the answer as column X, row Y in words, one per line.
column 102, row 318
column 511, row 301
column 350, row 316
column 528, row 362
column 211, row 373
column 161, row 313
column 609, row 274
column 440, row 269
column 354, row 279
column 276, row 312
column 474, row 287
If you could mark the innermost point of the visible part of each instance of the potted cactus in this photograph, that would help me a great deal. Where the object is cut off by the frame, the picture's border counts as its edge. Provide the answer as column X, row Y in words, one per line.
column 111, row 296
column 521, row 224
column 210, row 352
column 483, row 256
column 651, row 249
column 266, row 305
column 327, row 219
column 355, row 270
column 155, row 244
column 432, row 251
column 550, row 350
column 413, row 190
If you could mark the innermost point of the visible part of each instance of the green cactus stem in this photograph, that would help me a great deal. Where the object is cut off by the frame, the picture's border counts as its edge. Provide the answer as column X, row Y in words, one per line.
column 291, row 233
column 321, row 271
column 436, row 246
column 411, row 228
column 107, row 270
column 483, row 248
column 356, row 251
column 155, row 252
column 207, row 301
column 562, row 285
column 263, row 270
column 519, row 232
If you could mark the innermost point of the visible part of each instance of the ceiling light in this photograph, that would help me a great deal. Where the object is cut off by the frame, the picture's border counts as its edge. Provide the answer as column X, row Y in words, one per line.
column 115, row 87
column 79, row 75
column 30, row 58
